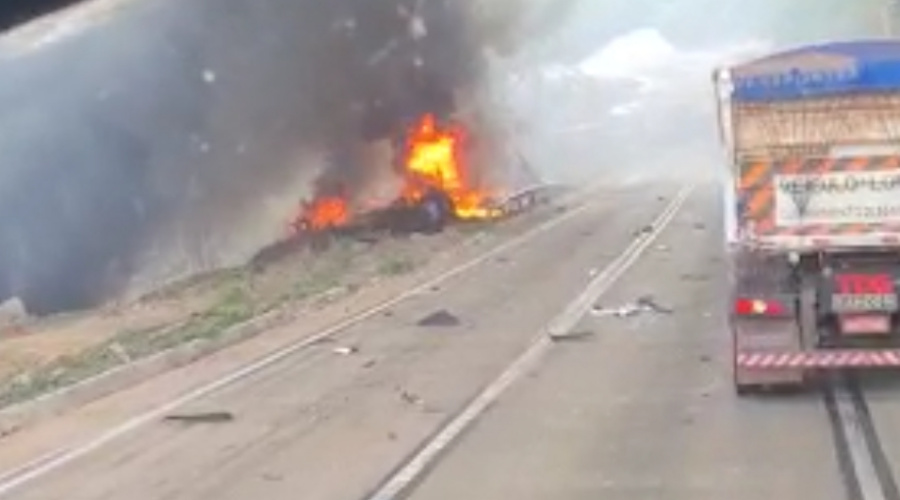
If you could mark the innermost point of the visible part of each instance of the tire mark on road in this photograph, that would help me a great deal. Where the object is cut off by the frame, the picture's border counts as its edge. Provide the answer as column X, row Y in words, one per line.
column 864, row 464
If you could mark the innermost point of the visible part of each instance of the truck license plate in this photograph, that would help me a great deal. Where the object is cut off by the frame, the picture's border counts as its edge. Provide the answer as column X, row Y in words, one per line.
column 861, row 324
column 864, row 292
column 846, row 302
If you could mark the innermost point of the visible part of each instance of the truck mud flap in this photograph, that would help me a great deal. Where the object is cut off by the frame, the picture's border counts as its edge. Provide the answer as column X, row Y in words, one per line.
column 765, row 339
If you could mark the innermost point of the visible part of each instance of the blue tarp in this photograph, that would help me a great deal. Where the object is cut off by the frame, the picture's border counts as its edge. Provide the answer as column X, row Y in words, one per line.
column 820, row 70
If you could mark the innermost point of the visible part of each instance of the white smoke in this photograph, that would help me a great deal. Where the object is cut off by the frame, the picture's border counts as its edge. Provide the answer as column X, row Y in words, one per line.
column 637, row 104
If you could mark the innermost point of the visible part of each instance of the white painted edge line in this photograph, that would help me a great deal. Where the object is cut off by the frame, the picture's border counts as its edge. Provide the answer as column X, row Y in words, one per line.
column 398, row 483
column 857, row 445
column 18, row 477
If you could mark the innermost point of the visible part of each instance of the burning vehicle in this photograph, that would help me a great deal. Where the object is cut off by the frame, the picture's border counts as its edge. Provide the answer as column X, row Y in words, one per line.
column 438, row 187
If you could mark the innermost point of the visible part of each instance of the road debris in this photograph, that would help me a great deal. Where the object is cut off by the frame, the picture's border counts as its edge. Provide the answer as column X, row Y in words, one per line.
column 573, row 336
column 216, row 417
column 439, row 318
column 647, row 302
column 345, row 350
column 641, row 305
column 411, row 398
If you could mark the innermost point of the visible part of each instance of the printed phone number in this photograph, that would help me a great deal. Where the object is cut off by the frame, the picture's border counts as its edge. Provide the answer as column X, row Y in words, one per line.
column 877, row 212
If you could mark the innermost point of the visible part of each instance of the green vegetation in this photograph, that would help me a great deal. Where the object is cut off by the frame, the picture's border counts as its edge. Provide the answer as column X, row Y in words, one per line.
column 232, row 308
column 396, row 265
column 235, row 302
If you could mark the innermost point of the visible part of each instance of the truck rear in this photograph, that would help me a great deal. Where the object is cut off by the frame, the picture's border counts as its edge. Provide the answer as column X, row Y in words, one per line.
column 813, row 210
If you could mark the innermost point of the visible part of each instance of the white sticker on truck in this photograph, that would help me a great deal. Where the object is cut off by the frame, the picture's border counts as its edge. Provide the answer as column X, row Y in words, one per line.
column 837, row 198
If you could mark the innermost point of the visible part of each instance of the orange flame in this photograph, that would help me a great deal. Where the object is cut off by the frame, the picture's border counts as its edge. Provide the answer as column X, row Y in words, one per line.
column 326, row 212
column 434, row 159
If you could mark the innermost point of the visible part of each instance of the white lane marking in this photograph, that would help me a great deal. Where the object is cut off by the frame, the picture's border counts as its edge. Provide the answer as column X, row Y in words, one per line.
column 15, row 478
column 857, row 445
column 399, row 482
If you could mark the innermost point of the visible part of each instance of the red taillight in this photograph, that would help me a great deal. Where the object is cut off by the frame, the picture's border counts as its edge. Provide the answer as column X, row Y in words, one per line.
column 758, row 307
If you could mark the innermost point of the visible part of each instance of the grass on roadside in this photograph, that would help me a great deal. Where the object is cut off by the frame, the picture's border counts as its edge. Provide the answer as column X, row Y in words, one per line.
column 232, row 308
column 237, row 303
column 396, row 266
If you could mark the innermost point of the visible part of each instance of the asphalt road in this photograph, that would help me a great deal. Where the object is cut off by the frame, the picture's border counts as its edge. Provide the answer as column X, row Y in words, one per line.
column 483, row 405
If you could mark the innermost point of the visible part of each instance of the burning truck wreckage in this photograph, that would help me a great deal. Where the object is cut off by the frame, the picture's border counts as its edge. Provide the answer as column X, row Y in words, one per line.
column 432, row 151
column 437, row 188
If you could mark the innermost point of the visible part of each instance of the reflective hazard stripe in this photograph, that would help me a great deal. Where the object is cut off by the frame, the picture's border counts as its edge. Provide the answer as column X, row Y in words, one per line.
column 818, row 359
column 756, row 193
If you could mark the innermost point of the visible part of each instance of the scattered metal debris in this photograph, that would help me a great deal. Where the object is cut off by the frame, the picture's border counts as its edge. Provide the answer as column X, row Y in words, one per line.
column 411, row 398
column 215, row 417
column 439, row 318
column 345, row 350
column 641, row 305
column 574, row 336
column 647, row 302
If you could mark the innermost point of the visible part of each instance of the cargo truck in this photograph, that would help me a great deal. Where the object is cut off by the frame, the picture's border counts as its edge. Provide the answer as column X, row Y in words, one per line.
column 812, row 210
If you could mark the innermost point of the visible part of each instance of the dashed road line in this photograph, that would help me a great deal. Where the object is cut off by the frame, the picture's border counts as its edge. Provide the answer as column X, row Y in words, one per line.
column 409, row 474
column 14, row 479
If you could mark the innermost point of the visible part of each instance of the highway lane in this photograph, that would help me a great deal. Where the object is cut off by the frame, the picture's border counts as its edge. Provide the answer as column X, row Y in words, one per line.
column 333, row 426
column 644, row 407
column 634, row 407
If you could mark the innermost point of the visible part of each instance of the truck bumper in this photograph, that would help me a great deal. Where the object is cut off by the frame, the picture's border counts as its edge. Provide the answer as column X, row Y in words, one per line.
column 820, row 359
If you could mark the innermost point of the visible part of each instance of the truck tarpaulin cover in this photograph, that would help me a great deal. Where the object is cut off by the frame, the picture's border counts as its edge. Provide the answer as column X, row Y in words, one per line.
column 819, row 71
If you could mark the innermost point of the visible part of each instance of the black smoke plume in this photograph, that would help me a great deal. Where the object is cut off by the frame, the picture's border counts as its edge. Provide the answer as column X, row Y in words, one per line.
column 140, row 142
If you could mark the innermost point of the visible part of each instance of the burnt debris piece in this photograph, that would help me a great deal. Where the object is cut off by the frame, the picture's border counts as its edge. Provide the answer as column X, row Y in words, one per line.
column 216, row 417
column 439, row 318
column 644, row 304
